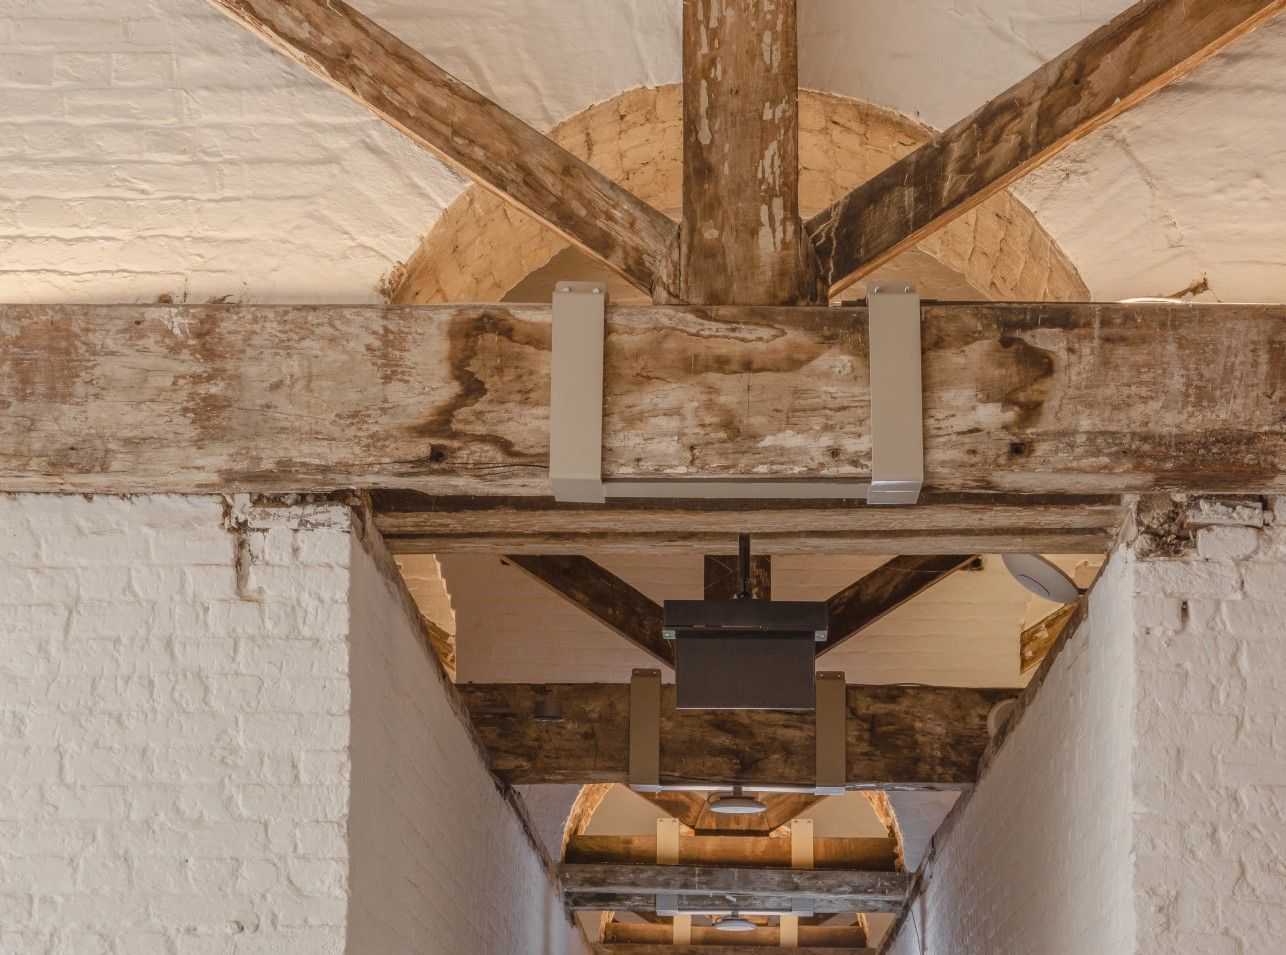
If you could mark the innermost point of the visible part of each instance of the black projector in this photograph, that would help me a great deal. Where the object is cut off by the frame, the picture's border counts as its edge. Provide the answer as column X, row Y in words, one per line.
column 744, row 654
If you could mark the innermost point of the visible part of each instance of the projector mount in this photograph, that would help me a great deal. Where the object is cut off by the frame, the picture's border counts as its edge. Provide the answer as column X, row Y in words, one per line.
column 576, row 411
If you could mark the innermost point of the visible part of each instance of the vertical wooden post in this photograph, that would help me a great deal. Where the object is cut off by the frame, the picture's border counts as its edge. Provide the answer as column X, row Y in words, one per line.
column 742, row 242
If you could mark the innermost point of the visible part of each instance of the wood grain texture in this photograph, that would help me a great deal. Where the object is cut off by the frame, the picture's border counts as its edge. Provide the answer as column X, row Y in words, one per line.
column 719, row 948
column 869, row 854
column 492, row 146
column 882, row 591
column 722, row 576
column 898, row 737
column 414, row 522
column 742, row 239
column 1140, row 51
column 602, row 595
column 1041, row 399
column 1035, row 642
column 584, row 886
column 626, row 939
column 693, row 810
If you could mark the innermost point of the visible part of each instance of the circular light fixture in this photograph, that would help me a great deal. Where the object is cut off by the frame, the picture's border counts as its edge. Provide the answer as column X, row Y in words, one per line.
column 547, row 711
column 999, row 716
column 735, row 923
column 1042, row 578
column 735, row 803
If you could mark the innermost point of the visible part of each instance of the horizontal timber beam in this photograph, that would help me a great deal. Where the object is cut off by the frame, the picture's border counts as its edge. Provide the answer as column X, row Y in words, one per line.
column 636, row 886
column 722, row 948
column 489, row 144
column 870, row 854
column 1045, row 399
column 910, row 737
column 415, row 522
column 1141, row 50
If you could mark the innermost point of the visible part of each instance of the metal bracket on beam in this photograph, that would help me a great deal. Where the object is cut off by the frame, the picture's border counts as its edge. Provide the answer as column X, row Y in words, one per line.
column 832, row 734
column 576, row 411
column 645, row 731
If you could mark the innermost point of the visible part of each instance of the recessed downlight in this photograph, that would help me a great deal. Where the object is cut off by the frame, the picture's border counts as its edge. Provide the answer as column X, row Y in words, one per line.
column 735, row 803
column 735, row 923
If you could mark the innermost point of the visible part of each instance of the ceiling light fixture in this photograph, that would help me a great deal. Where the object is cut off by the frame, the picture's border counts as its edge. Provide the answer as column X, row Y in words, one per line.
column 1042, row 577
column 735, row 923
column 735, row 803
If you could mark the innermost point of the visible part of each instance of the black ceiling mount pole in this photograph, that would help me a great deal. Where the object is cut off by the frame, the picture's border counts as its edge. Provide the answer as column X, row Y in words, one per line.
column 743, row 567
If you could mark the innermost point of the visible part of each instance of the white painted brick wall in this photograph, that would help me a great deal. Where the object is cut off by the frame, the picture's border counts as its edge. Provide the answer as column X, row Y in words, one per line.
column 1140, row 805
column 440, row 862
column 1039, row 860
column 179, row 733
column 174, row 744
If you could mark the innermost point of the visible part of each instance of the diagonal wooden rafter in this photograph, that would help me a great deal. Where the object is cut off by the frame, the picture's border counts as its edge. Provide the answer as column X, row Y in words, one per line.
column 1035, row 641
column 883, row 590
column 603, row 596
column 1140, row 51
column 489, row 144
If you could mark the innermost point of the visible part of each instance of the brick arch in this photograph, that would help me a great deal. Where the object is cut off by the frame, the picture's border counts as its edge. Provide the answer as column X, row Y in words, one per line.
column 481, row 248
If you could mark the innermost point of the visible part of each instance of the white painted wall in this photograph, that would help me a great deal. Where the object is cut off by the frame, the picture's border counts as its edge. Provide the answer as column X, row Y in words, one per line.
column 1138, row 806
column 220, row 732
column 153, row 147
column 440, row 861
column 175, row 737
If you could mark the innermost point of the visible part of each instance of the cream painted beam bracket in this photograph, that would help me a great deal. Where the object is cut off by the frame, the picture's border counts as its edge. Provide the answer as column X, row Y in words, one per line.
column 576, row 411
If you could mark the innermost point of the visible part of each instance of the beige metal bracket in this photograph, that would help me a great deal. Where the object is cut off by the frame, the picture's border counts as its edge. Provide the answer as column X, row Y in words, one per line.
column 645, row 730
column 576, row 411
column 832, row 734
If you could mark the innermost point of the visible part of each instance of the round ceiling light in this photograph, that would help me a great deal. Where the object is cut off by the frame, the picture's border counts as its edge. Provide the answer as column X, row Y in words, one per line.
column 735, row 803
column 735, row 923
column 1042, row 578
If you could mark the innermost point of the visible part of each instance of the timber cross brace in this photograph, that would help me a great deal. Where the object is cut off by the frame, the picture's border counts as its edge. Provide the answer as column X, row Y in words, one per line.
column 1037, row 416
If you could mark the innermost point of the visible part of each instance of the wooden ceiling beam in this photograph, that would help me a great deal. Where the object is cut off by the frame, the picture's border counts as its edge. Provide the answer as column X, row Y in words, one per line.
column 910, row 737
column 1037, row 640
column 1052, row 400
column 625, row 939
column 589, row 886
column 742, row 239
column 883, row 590
column 1138, row 52
column 869, row 854
column 602, row 595
column 461, row 126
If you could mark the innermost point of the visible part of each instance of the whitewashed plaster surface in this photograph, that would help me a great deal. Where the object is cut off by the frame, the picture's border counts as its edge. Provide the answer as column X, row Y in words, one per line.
column 156, row 148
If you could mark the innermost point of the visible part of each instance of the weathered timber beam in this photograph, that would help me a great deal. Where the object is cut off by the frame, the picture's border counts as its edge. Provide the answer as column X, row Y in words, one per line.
column 602, row 595
column 1140, row 51
column 1042, row 399
column 721, row 948
column 414, row 522
column 869, row 854
column 898, row 737
column 883, row 590
column 742, row 239
column 490, row 145
column 636, row 886
column 619, row 939
column 1035, row 642
column 693, row 810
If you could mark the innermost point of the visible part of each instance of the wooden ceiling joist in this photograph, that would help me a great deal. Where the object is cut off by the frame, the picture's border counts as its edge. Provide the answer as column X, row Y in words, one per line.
column 599, row 887
column 633, row 939
column 1051, row 400
column 603, row 596
column 414, row 522
column 518, row 163
column 869, row 854
column 883, row 590
column 742, row 238
column 1037, row 640
column 1138, row 52
column 899, row 737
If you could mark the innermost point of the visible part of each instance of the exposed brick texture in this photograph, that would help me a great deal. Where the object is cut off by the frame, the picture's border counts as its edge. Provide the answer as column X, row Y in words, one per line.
column 1138, row 805
column 221, row 732
column 481, row 247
